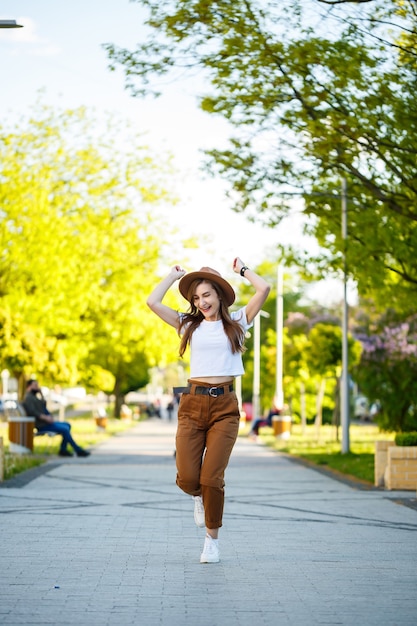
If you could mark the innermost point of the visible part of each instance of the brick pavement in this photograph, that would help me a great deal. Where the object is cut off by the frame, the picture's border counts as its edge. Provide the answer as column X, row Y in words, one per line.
column 111, row 541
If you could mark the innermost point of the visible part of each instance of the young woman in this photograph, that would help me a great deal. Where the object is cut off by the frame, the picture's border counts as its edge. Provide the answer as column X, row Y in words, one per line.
column 208, row 413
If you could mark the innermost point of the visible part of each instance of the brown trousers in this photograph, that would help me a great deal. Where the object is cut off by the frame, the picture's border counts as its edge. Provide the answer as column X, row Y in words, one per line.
column 207, row 431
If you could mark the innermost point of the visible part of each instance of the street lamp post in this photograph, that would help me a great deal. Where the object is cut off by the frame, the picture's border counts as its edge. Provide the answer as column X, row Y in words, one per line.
column 344, row 410
column 257, row 363
column 5, row 375
column 344, row 404
column 279, row 390
column 10, row 24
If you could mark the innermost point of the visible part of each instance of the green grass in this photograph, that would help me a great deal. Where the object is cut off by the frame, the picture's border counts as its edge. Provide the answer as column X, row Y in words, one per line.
column 83, row 429
column 325, row 450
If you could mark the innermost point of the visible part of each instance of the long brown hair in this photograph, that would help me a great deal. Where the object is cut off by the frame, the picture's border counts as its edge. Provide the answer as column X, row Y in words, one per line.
column 193, row 318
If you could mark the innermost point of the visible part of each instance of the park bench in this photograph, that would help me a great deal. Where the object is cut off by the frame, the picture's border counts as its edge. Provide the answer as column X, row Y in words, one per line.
column 13, row 409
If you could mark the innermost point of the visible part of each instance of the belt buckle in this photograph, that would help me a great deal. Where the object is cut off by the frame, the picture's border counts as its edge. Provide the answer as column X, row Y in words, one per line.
column 213, row 392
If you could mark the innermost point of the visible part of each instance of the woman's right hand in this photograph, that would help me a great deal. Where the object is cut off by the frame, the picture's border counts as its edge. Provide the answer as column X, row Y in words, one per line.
column 177, row 272
column 154, row 300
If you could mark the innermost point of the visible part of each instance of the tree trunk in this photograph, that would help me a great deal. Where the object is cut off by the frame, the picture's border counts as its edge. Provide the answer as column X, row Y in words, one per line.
column 118, row 398
column 319, row 406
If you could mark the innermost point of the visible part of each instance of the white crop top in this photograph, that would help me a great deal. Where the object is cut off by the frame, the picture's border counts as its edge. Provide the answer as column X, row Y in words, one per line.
column 211, row 354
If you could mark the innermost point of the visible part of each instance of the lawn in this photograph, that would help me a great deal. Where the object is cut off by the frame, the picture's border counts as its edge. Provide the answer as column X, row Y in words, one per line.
column 326, row 449
column 85, row 433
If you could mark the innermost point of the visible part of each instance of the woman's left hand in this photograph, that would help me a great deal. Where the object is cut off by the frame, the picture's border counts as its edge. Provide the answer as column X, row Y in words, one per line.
column 237, row 265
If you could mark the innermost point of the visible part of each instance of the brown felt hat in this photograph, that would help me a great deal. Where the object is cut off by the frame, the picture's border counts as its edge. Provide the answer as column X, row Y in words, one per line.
column 207, row 273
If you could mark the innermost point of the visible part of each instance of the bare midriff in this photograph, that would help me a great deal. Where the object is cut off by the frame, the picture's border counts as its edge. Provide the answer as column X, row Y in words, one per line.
column 215, row 380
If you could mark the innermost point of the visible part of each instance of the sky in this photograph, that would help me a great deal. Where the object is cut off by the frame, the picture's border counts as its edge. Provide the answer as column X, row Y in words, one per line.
column 59, row 52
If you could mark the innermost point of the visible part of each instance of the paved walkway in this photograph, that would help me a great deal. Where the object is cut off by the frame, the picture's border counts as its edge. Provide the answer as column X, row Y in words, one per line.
column 110, row 540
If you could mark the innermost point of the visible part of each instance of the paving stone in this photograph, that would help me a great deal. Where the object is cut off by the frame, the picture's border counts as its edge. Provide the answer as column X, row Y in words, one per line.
column 110, row 540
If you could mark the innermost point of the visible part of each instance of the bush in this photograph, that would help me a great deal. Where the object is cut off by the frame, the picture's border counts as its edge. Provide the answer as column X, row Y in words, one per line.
column 406, row 439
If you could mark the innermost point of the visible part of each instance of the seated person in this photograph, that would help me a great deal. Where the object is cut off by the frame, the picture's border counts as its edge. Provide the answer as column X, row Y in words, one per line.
column 35, row 406
column 264, row 421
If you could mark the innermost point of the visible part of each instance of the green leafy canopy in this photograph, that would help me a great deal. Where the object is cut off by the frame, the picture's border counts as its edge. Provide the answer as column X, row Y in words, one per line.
column 80, row 248
column 315, row 91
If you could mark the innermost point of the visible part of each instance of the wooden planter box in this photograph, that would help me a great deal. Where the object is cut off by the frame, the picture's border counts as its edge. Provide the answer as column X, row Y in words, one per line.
column 21, row 434
column 395, row 466
column 282, row 426
column 101, row 422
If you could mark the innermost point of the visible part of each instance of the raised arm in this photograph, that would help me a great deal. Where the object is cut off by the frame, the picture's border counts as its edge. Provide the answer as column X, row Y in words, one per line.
column 262, row 289
column 154, row 301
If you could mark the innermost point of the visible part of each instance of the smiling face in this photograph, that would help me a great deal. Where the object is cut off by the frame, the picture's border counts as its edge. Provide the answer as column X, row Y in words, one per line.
column 207, row 301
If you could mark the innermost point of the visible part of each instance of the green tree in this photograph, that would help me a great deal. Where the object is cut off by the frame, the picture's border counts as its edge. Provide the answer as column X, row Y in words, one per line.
column 324, row 357
column 387, row 370
column 312, row 355
column 80, row 248
column 312, row 96
column 267, row 269
column 299, row 384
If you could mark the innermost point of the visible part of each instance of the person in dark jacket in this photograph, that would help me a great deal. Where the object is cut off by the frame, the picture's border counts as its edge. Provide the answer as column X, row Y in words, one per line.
column 34, row 404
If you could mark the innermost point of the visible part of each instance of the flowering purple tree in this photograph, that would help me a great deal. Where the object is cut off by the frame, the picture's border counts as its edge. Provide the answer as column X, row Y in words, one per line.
column 387, row 373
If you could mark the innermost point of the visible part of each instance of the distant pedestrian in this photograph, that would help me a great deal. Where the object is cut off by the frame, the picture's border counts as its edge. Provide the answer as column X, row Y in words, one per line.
column 158, row 408
column 170, row 409
column 208, row 412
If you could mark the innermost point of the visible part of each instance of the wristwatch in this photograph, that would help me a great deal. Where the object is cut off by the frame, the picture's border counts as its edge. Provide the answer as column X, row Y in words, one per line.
column 243, row 270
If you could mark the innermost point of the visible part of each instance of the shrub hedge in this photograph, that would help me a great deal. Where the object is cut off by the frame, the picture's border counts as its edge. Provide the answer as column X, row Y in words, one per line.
column 406, row 439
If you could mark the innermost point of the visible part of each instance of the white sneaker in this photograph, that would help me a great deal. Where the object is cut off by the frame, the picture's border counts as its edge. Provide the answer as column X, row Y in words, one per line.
column 199, row 516
column 210, row 552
